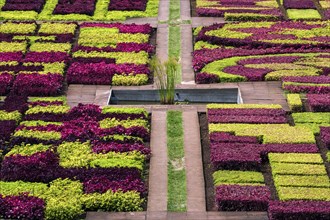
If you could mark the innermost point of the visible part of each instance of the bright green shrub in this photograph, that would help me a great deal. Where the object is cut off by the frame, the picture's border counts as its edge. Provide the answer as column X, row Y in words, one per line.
column 42, row 135
column 249, row 16
column 303, row 14
column 141, row 57
column 48, row 47
column 27, row 149
column 39, row 123
column 33, row 39
column 76, row 154
column 18, row 15
column 302, row 181
column 113, row 122
column 48, row 99
column 270, row 133
column 204, row 45
column 295, row 158
column 114, row 201
column 298, row 169
column 315, row 128
column 130, row 80
column 278, row 74
column 311, row 117
column 237, row 177
column 116, row 110
column 57, row 28
column 63, row 199
column 8, row 116
column 53, row 109
column 228, row 33
column 14, row 28
column 303, row 193
column 100, row 37
column 294, row 102
column 119, row 137
column 18, row 187
column 56, row 67
column 271, row 106
column 13, row 47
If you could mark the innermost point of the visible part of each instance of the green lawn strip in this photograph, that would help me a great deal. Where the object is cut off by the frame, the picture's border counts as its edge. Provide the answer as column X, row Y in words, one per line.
column 302, row 181
column 174, row 47
column 298, row 169
column 174, row 10
column 303, row 193
column 295, row 158
column 237, row 177
column 177, row 192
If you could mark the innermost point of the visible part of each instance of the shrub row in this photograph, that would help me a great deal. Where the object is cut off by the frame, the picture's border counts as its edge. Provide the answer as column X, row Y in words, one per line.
column 233, row 10
column 64, row 10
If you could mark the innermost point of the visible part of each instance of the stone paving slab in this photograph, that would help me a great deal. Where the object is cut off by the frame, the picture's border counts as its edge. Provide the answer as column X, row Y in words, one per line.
column 188, row 75
column 158, row 163
column 205, row 21
column 193, row 160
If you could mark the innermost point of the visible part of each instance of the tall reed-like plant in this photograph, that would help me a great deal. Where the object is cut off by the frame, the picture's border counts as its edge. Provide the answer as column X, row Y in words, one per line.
column 165, row 75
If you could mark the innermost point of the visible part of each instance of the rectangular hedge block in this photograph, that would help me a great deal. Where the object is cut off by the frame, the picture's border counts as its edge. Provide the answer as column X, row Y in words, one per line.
column 295, row 158
column 303, row 193
column 298, row 169
column 295, row 180
column 242, row 198
column 279, row 210
column 237, row 177
column 271, row 133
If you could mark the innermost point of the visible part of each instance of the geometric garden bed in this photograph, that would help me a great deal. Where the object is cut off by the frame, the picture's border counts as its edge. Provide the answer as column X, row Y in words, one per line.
column 60, row 162
column 260, row 162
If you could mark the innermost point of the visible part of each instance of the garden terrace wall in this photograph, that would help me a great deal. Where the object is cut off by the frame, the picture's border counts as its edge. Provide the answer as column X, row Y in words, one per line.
column 65, row 10
column 242, row 140
column 94, row 158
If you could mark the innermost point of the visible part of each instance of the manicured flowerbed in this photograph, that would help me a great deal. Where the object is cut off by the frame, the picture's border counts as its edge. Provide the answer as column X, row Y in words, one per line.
column 244, row 137
column 34, row 57
column 62, row 162
column 239, row 10
column 114, row 54
column 84, row 10
column 260, row 51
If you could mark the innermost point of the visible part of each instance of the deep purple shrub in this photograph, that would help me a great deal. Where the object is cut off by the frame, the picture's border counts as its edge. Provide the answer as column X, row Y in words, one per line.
column 35, row 84
column 319, row 102
column 22, row 207
column 325, row 136
column 105, row 147
column 235, row 156
column 101, row 73
column 205, row 78
column 39, row 167
column 223, row 137
column 6, row 129
column 137, row 131
column 15, row 102
column 252, row 74
column 299, row 210
column 45, row 103
column 64, row 7
column 101, row 184
column 247, row 112
column 273, row 59
column 46, row 117
column 123, row 28
column 251, row 119
column 123, row 116
column 21, row 5
column 85, row 110
column 307, row 79
column 6, row 81
column 128, row 5
column 46, row 57
column 242, row 198
column 307, row 89
column 120, row 47
column 299, row 4
column 10, row 56
column 79, row 129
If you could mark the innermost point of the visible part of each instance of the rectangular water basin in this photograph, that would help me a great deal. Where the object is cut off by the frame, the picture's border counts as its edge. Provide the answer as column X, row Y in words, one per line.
column 185, row 96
